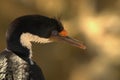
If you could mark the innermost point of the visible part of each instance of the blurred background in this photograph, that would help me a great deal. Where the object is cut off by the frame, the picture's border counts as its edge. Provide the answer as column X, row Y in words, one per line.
column 93, row 22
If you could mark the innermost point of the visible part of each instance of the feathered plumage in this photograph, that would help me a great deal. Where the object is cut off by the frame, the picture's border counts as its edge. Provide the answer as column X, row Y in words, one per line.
column 12, row 67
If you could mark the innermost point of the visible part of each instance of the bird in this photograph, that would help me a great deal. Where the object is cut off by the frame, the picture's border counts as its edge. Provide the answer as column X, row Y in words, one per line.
column 16, row 59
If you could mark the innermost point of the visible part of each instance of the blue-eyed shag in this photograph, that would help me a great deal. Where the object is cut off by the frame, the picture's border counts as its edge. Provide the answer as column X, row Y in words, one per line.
column 15, row 60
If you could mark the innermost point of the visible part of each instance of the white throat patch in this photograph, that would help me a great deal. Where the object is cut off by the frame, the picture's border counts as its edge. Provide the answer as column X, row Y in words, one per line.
column 27, row 38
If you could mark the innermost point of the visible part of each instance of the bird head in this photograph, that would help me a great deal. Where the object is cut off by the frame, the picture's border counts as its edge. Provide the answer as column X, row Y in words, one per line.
column 36, row 28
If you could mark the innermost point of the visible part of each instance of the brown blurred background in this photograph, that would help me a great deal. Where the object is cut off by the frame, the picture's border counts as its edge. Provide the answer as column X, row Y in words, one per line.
column 94, row 22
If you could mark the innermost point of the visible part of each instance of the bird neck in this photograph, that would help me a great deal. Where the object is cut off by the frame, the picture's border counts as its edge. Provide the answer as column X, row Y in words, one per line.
column 21, row 43
column 14, row 45
column 27, row 38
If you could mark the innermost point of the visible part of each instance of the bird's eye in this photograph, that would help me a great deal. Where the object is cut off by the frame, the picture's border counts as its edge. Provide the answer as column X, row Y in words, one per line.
column 54, row 33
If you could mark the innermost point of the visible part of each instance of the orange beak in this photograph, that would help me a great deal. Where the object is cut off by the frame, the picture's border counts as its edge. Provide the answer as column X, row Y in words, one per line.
column 64, row 37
